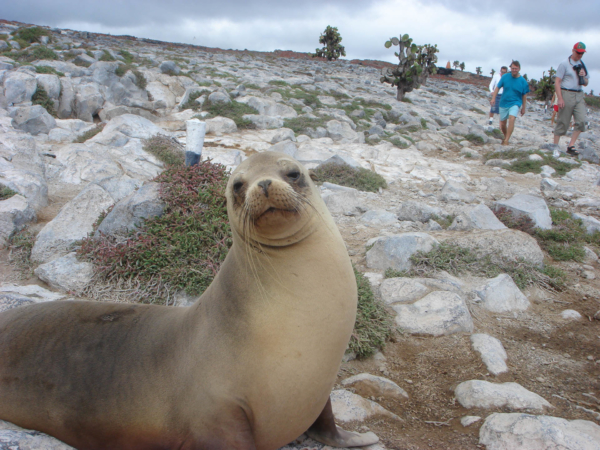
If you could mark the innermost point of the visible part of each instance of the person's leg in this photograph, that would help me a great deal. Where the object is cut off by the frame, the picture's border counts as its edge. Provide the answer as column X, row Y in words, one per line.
column 503, row 129
column 563, row 117
column 510, row 129
column 579, row 113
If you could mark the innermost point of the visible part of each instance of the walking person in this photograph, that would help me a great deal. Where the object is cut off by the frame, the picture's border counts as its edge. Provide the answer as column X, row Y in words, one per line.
column 495, row 79
column 571, row 76
column 514, row 99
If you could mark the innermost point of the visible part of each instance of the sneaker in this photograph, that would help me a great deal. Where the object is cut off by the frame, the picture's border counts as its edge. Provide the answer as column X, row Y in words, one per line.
column 571, row 151
column 491, row 121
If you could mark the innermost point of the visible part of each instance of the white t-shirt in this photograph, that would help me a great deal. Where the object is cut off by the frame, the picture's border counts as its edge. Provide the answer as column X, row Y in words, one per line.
column 569, row 79
column 494, row 83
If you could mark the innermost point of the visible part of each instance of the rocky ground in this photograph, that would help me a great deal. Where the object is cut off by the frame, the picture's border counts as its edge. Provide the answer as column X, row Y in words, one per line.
column 461, row 337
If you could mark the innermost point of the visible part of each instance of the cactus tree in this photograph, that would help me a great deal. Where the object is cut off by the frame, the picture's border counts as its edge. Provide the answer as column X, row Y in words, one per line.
column 331, row 39
column 492, row 72
column 417, row 62
column 478, row 70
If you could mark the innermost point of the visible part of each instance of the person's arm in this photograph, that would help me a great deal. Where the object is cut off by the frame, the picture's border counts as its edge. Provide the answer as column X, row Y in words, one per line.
column 493, row 99
column 561, row 102
column 524, row 104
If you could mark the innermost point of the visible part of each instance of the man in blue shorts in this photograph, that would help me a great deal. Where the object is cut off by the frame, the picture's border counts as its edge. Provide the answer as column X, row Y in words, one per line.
column 514, row 98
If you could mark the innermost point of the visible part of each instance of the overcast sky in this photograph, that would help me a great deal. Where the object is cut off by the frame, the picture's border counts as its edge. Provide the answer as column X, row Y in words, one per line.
column 489, row 34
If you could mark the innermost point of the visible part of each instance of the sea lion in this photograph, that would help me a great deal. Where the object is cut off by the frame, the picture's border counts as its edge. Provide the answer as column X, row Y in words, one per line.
column 249, row 366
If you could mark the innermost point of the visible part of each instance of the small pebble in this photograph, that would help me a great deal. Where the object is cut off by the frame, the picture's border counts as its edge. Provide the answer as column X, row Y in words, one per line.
column 591, row 358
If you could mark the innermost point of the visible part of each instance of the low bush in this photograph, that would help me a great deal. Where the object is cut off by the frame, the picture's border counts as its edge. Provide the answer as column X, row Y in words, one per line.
column 40, row 97
column 522, row 164
column 233, row 110
column 33, row 54
column 106, row 56
column 19, row 246
column 48, row 69
column 345, row 175
column 302, row 124
column 474, row 139
column 457, row 260
column 374, row 324
column 89, row 134
column 180, row 250
column 6, row 192
column 165, row 148
column 592, row 101
column 33, row 34
column 495, row 133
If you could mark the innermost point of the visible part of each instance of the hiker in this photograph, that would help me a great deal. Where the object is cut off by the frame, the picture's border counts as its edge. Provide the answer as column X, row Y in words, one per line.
column 571, row 76
column 514, row 98
column 495, row 79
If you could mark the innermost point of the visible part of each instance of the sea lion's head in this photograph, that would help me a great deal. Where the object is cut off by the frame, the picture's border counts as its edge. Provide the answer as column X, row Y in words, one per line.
column 269, row 200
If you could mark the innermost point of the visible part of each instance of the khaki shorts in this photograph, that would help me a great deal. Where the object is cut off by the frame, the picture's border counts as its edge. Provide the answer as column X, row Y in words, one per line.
column 574, row 107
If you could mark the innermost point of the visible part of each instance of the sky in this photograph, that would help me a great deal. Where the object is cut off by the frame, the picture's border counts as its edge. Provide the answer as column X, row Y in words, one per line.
column 481, row 33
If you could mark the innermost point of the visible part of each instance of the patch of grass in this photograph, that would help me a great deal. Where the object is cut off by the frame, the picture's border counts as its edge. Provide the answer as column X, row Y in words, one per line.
column 31, row 35
column 301, row 124
column 345, row 175
column 37, row 52
column 252, row 86
column 522, row 163
column 444, row 221
column 564, row 241
column 592, row 101
column 477, row 110
column 406, row 100
column 140, row 79
column 234, row 110
column 278, row 83
column 397, row 142
column 181, row 250
column 166, row 149
column 191, row 103
column 374, row 324
column 6, row 192
column 106, row 56
column 3, row 37
column 20, row 245
column 49, row 70
column 521, row 223
column 309, row 98
column 89, row 134
column 81, row 63
column 128, row 57
column 424, row 123
column 393, row 273
column 495, row 133
column 474, row 139
column 457, row 260
column 40, row 97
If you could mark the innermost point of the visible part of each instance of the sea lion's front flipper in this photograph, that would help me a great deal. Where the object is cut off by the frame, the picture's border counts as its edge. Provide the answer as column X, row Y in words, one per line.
column 325, row 431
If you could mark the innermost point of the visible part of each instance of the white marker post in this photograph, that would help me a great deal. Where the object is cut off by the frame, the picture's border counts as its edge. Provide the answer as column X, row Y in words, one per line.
column 194, row 142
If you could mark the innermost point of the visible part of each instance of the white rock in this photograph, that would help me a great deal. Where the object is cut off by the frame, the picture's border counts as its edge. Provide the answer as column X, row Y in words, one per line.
column 66, row 273
column 395, row 251
column 501, row 294
column 570, row 314
column 483, row 394
column 15, row 438
column 531, row 206
column 439, row 313
column 492, row 352
column 368, row 385
column 469, row 420
column 524, row 431
column 74, row 221
column 401, row 290
column 34, row 292
column 349, row 407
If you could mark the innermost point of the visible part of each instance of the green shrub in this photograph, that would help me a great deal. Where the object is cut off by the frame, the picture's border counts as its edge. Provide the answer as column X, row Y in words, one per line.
column 140, row 79
column 424, row 123
column 6, row 192
column 564, row 241
column 278, row 83
column 477, row 110
column 48, row 69
column 522, row 163
column 393, row 273
column 345, row 175
column 457, row 260
column 166, row 149
column 331, row 40
column 40, row 97
column 106, row 56
column 301, row 124
column 180, row 250
column 191, row 103
column 121, row 70
column 474, row 139
column 251, row 86
column 495, row 133
column 374, row 324
column 522, row 223
column 37, row 52
column 32, row 34
column 89, row 134
column 444, row 221
column 592, row 101
column 234, row 110
column 128, row 57
column 20, row 245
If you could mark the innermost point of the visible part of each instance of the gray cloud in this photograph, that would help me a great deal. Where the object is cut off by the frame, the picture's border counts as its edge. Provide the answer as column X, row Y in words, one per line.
column 119, row 13
column 551, row 14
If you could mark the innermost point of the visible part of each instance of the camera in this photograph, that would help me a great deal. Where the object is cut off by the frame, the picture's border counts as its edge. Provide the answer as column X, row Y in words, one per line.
column 577, row 68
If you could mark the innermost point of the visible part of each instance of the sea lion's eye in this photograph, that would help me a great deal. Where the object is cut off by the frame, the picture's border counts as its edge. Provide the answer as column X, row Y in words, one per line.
column 293, row 175
column 237, row 186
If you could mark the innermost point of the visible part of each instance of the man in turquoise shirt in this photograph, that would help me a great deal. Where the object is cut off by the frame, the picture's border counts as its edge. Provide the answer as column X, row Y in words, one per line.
column 513, row 98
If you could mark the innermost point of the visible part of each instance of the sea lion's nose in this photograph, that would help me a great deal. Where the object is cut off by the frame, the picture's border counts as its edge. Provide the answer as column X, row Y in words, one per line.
column 265, row 185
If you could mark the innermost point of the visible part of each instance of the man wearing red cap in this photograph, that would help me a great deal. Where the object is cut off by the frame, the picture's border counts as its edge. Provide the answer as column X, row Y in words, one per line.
column 571, row 76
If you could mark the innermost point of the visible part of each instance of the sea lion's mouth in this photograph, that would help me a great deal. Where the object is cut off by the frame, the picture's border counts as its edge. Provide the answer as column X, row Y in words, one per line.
column 272, row 211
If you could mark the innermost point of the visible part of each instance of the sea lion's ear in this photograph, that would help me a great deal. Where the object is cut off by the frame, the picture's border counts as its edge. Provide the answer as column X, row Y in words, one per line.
column 312, row 175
